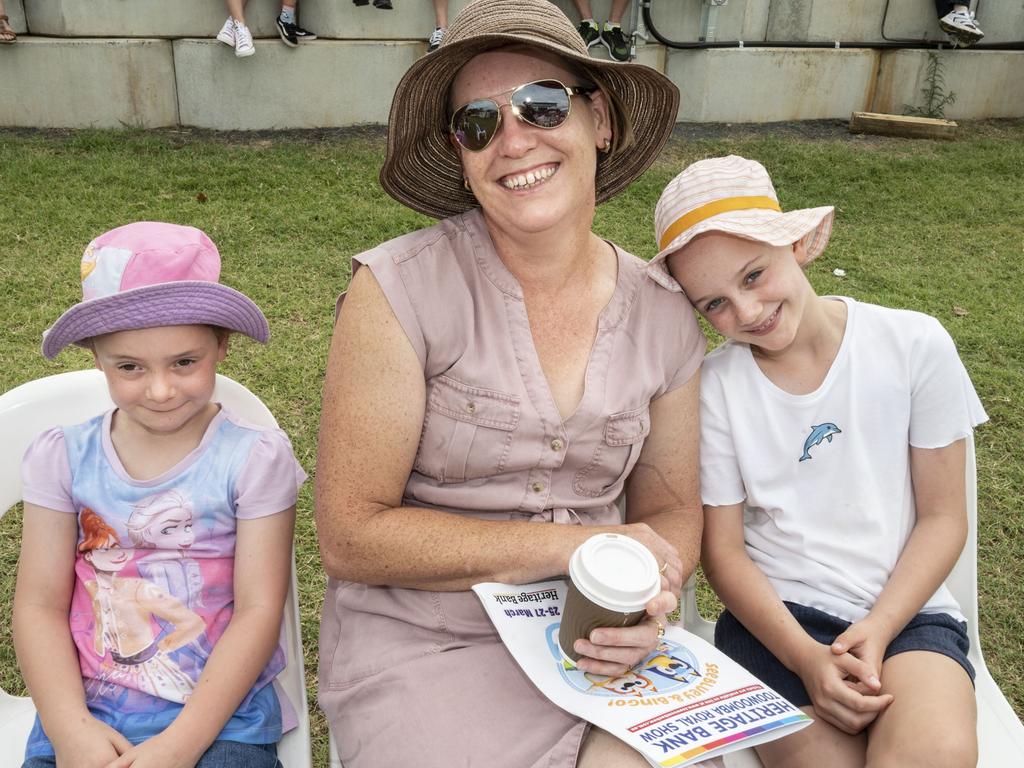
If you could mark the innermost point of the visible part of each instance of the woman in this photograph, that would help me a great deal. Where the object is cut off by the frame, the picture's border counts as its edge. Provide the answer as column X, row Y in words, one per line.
column 492, row 381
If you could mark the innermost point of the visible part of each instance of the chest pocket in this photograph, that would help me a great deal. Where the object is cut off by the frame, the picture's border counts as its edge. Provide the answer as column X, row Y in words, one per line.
column 615, row 454
column 467, row 431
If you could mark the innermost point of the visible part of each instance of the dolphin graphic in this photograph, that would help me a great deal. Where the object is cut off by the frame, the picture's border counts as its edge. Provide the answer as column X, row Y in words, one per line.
column 819, row 433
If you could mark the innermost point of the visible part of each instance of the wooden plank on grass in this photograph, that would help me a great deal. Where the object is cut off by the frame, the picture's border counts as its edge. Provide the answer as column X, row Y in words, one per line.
column 902, row 125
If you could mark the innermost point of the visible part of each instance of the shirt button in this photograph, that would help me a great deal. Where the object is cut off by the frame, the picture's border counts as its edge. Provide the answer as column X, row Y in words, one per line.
column 470, row 407
column 537, row 487
column 557, row 445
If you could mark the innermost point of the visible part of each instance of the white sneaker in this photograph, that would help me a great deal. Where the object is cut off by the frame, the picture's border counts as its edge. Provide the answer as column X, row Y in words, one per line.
column 961, row 25
column 243, row 40
column 435, row 39
column 227, row 33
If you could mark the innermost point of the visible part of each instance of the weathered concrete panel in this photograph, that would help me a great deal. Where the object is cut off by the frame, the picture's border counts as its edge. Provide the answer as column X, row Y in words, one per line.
column 848, row 21
column 16, row 13
column 915, row 20
column 340, row 19
column 146, row 18
column 58, row 83
column 326, row 83
column 762, row 85
column 986, row 83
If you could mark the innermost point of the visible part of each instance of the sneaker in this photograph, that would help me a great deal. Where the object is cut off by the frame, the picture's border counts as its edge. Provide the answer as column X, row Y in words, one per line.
column 304, row 35
column 615, row 42
column 961, row 25
column 287, row 33
column 243, row 41
column 293, row 34
column 227, row 33
column 383, row 5
column 435, row 39
column 589, row 32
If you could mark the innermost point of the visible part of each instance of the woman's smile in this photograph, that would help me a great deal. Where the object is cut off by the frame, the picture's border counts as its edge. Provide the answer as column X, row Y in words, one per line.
column 530, row 179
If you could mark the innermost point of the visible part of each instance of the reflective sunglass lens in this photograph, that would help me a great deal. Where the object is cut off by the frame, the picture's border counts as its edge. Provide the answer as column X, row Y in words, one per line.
column 544, row 104
column 475, row 124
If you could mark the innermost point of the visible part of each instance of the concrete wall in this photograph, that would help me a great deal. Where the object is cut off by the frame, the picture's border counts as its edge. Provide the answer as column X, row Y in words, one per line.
column 827, row 20
column 146, row 18
column 748, row 20
column 767, row 85
column 87, row 83
column 347, row 77
column 409, row 20
column 1002, row 21
column 989, row 83
column 326, row 83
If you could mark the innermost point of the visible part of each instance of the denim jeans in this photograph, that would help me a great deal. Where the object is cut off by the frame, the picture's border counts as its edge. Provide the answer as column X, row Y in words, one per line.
column 221, row 754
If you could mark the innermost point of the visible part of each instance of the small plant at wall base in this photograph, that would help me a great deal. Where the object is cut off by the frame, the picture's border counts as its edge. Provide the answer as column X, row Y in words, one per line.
column 934, row 92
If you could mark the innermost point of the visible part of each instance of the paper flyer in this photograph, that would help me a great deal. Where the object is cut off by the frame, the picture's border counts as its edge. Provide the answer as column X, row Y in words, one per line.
column 685, row 703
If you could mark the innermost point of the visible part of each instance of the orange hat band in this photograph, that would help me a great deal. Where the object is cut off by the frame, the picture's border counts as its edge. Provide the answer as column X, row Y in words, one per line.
column 714, row 208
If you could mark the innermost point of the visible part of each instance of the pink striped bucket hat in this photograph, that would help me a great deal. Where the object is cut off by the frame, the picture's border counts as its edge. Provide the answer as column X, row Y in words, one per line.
column 150, row 274
column 734, row 196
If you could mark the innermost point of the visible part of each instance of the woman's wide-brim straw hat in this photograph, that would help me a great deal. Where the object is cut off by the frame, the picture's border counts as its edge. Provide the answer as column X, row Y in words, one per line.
column 733, row 196
column 422, row 169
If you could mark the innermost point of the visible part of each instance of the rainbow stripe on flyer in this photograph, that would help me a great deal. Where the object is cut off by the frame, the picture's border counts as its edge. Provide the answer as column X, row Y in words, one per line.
column 725, row 740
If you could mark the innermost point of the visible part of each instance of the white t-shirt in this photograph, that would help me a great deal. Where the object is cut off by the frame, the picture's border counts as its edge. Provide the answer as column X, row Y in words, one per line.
column 825, row 477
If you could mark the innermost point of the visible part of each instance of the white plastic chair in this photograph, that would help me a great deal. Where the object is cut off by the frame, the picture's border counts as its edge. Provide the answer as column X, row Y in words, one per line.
column 71, row 398
column 1000, row 732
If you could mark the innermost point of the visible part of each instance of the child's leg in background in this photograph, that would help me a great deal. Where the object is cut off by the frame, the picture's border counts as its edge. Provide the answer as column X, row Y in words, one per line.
column 236, row 9
column 441, row 14
column 932, row 719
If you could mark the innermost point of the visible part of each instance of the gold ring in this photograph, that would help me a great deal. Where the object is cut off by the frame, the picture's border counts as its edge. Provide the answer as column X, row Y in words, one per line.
column 664, row 567
column 661, row 629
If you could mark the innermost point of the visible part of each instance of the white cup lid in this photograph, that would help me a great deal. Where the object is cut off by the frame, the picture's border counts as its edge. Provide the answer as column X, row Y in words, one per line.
column 616, row 572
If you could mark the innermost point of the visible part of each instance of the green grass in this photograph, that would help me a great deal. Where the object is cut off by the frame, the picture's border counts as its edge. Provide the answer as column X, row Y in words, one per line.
column 931, row 226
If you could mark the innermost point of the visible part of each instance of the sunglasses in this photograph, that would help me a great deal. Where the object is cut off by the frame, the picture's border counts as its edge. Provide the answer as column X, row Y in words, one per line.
column 544, row 104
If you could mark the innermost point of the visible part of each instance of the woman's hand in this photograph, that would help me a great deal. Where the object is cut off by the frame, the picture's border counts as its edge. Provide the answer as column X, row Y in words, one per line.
column 669, row 562
column 827, row 677
column 614, row 651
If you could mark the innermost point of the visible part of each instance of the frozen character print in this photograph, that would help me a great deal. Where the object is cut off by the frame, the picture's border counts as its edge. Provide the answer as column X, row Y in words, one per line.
column 163, row 523
column 122, row 610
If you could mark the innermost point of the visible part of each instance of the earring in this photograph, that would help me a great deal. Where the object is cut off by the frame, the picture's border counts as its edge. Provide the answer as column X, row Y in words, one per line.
column 607, row 146
column 465, row 183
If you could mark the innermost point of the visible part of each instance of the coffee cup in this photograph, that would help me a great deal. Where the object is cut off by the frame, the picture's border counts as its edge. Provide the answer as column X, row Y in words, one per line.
column 611, row 579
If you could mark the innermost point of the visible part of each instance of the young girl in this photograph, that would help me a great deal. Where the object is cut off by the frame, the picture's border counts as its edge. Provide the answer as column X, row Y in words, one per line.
column 118, row 599
column 832, row 472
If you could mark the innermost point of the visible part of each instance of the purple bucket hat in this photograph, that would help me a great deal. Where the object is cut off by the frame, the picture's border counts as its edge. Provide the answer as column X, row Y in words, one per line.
column 149, row 274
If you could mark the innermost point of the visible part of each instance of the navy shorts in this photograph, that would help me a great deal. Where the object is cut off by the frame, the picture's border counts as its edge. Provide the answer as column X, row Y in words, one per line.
column 936, row 632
